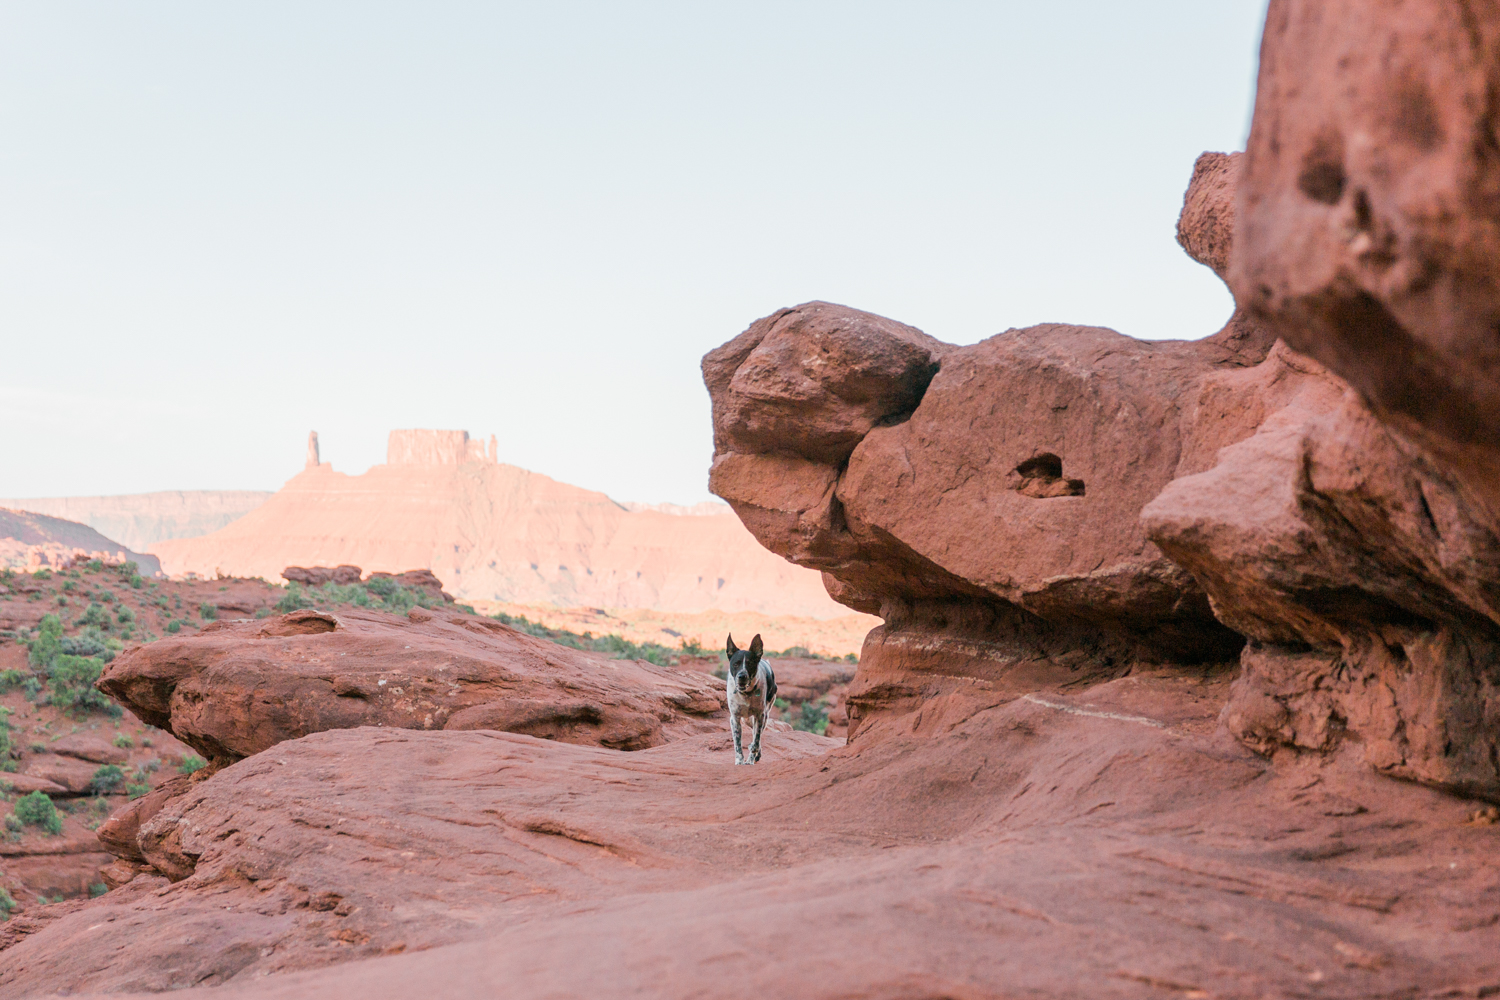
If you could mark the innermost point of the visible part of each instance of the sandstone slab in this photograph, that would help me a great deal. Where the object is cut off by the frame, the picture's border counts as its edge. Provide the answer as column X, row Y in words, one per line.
column 240, row 687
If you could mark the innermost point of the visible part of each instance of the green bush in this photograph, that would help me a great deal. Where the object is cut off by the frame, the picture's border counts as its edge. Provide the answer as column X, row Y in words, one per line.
column 106, row 596
column 136, row 789
column 10, row 679
column 124, row 742
column 812, row 717
column 72, row 678
column 174, row 626
column 107, row 779
column 13, row 824
column 95, row 616
column 48, row 642
column 207, row 611
column 125, row 615
column 93, row 566
column 69, row 586
column 90, row 642
column 97, row 889
column 62, row 601
column 192, row 762
column 5, row 743
column 37, row 809
column 617, row 646
column 7, row 904
column 293, row 599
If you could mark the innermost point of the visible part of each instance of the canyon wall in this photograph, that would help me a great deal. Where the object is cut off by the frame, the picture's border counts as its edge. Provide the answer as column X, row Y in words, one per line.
column 496, row 532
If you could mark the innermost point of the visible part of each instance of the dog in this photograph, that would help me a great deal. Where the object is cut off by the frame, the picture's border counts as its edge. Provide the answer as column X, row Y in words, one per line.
column 751, row 686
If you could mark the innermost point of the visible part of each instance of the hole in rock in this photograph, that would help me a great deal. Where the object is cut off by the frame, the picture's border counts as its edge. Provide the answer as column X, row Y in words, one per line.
column 1042, row 478
column 1322, row 178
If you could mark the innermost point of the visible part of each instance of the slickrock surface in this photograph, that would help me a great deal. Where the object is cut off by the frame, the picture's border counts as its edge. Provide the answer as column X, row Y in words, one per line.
column 1064, row 845
column 239, row 687
column 498, row 533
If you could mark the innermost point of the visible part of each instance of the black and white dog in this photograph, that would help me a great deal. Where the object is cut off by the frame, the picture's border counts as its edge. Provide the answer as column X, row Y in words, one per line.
column 752, row 691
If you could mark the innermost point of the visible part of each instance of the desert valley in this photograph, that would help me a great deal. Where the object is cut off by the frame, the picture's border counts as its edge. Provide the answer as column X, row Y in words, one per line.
column 1106, row 667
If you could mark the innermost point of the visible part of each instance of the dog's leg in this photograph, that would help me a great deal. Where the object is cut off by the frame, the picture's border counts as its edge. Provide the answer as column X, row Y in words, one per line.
column 734, row 727
column 760, row 726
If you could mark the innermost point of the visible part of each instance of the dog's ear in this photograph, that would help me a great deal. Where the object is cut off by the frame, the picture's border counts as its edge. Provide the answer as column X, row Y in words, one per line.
column 730, row 647
column 755, row 647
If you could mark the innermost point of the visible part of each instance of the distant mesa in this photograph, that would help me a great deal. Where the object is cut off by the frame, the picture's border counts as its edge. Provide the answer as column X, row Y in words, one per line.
column 494, row 532
column 34, row 542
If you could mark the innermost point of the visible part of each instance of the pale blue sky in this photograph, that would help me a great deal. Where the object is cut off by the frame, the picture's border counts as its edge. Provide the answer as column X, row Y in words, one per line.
column 225, row 224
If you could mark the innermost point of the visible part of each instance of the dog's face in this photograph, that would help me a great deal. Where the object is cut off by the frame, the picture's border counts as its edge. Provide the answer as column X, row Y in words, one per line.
column 744, row 664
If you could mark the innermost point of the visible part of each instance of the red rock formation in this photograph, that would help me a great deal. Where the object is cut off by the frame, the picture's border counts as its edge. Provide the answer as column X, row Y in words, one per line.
column 1369, row 234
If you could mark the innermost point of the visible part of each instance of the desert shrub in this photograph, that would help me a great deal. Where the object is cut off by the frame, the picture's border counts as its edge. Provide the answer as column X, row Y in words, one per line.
column 42, row 574
column 617, row 646
column 174, row 626
column 6, row 747
column 107, row 779
column 94, row 566
column 37, row 809
column 47, row 643
column 812, row 717
column 208, row 612
column 125, row 615
column 71, row 679
column 107, row 596
column 124, row 742
column 192, row 762
column 97, row 889
column 691, row 647
column 136, row 789
column 152, row 765
column 12, row 679
column 293, row 599
column 69, row 586
column 7, row 903
column 62, row 601
column 95, row 616
column 90, row 642
column 13, row 824
column 136, row 582
column 383, row 586
column 264, row 613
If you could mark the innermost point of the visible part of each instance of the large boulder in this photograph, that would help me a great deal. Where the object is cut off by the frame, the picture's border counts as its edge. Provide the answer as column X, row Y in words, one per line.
column 1369, row 223
column 239, row 687
column 985, row 500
